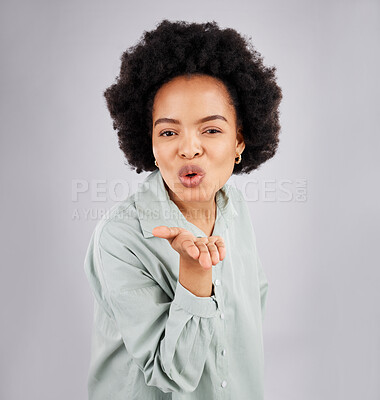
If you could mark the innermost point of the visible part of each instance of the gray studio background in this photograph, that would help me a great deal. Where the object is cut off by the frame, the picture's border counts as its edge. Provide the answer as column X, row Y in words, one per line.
column 318, row 239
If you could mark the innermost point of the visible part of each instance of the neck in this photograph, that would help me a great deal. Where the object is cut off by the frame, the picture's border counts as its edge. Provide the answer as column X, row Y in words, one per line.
column 203, row 212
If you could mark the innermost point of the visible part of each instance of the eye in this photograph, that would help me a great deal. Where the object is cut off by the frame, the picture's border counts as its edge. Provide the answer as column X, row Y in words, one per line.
column 162, row 133
column 212, row 131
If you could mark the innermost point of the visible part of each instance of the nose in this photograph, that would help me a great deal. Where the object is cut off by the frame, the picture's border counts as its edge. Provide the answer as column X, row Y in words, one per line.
column 190, row 146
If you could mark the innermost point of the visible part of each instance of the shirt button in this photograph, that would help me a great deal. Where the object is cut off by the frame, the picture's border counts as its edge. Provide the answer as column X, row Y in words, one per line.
column 223, row 352
column 222, row 315
column 223, row 384
column 217, row 282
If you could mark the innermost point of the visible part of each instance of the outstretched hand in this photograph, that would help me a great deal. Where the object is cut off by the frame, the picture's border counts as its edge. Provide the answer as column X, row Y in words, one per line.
column 206, row 251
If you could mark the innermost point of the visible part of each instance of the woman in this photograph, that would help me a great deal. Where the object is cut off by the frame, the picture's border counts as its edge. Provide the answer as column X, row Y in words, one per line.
column 180, row 291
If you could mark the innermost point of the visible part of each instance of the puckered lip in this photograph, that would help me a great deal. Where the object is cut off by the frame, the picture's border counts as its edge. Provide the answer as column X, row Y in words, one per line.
column 191, row 169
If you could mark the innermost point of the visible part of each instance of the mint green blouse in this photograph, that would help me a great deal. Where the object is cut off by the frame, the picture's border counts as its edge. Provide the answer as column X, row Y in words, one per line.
column 154, row 339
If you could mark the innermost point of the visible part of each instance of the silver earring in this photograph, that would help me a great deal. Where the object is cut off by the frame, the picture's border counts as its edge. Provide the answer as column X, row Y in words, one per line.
column 155, row 163
column 239, row 159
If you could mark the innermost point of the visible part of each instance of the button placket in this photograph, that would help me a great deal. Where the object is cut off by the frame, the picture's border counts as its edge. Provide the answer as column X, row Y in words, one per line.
column 217, row 289
column 222, row 363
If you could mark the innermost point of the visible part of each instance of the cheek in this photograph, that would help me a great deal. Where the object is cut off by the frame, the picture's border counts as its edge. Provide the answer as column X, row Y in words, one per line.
column 161, row 150
column 222, row 150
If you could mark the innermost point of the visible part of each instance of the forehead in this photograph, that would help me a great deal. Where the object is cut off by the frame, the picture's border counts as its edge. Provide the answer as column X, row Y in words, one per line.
column 197, row 91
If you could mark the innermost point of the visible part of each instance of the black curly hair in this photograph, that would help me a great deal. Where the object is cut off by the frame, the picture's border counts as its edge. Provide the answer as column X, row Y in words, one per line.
column 184, row 48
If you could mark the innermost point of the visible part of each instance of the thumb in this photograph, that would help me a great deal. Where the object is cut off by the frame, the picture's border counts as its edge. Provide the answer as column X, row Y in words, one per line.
column 166, row 232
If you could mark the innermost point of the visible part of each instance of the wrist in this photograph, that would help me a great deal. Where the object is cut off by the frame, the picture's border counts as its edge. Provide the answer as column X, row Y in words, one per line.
column 195, row 278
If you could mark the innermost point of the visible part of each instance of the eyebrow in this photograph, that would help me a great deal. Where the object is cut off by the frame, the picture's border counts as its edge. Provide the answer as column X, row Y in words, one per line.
column 175, row 121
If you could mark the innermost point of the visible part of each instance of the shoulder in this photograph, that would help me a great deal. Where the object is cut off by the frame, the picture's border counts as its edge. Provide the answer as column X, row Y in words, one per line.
column 235, row 196
column 119, row 226
column 234, row 192
column 115, row 259
column 240, row 204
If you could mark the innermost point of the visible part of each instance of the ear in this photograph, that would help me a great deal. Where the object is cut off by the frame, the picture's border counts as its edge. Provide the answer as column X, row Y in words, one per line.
column 240, row 144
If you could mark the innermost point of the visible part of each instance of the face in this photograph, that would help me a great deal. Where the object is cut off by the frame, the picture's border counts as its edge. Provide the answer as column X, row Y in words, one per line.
column 195, row 124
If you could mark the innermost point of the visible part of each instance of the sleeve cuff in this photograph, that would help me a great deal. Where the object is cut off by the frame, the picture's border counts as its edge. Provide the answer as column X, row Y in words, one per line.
column 200, row 306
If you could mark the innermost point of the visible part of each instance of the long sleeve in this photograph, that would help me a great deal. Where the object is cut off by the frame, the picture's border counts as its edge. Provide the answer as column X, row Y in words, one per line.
column 168, row 338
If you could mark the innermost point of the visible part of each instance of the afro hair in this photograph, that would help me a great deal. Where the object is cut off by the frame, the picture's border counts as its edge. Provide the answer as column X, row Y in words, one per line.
column 183, row 48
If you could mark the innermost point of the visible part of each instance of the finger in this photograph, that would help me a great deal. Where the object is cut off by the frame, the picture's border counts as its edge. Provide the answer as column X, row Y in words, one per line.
column 214, row 253
column 191, row 249
column 204, row 258
column 219, row 242
column 202, row 239
column 167, row 232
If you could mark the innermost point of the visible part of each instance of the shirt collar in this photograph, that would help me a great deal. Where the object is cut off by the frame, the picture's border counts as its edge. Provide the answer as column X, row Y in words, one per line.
column 154, row 208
